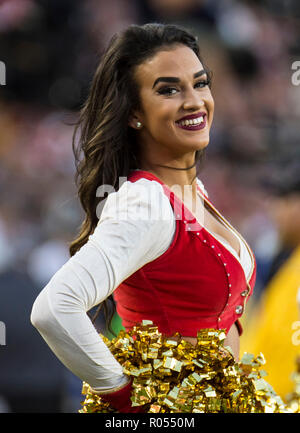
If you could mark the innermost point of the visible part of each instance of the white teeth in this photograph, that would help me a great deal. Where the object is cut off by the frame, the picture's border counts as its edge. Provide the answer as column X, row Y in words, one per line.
column 196, row 121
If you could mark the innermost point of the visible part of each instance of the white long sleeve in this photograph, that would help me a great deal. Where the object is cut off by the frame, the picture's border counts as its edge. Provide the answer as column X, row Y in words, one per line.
column 136, row 226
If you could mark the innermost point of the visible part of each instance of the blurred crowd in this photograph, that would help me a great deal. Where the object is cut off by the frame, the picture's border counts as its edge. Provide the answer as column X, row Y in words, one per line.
column 252, row 165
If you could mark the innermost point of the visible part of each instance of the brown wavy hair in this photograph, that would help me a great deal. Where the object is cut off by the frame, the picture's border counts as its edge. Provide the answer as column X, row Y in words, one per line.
column 107, row 147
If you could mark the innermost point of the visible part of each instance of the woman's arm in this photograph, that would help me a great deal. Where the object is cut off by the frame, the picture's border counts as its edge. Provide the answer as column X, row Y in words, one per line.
column 131, row 232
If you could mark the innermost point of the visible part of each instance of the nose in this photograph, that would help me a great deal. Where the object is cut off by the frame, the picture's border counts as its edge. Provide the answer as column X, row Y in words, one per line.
column 193, row 100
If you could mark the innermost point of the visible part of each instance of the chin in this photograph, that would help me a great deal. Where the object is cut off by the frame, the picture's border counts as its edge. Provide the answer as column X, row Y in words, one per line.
column 201, row 145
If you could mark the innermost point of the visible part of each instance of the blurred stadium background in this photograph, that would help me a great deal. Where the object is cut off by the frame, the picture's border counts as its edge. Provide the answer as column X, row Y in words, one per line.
column 50, row 50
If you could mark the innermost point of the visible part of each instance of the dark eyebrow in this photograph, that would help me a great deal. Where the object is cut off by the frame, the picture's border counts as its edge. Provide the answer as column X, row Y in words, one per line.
column 198, row 74
column 175, row 79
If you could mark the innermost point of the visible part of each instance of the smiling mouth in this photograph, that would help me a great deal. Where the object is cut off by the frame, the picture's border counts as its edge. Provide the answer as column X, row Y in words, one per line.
column 192, row 124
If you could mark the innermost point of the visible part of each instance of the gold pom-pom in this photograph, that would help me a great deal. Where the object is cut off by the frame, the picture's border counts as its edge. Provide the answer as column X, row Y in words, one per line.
column 175, row 376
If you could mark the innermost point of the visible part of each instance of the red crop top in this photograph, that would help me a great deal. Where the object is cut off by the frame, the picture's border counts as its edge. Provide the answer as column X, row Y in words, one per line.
column 196, row 283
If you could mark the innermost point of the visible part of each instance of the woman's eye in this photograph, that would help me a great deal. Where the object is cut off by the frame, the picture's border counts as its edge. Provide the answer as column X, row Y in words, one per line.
column 167, row 91
column 202, row 83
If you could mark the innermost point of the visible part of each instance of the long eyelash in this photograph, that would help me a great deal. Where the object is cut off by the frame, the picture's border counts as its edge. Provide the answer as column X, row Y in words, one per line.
column 164, row 90
column 205, row 82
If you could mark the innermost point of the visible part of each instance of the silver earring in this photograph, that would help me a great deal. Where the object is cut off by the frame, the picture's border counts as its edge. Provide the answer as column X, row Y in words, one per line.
column 138, row 124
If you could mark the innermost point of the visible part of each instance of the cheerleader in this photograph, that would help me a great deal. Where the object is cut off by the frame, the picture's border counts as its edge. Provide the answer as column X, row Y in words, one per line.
column 179, row 272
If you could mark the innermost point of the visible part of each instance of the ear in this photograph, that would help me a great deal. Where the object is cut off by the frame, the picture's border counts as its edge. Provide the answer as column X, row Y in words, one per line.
column 135, row 122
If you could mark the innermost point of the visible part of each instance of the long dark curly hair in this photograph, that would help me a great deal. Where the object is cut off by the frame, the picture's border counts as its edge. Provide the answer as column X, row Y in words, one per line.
column 107, row 147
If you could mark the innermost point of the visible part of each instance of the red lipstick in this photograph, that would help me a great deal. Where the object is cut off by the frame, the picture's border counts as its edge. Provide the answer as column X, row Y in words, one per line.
column 192, row 126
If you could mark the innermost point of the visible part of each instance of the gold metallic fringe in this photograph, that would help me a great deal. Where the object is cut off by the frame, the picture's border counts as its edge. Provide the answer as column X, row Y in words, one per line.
column 170, row 376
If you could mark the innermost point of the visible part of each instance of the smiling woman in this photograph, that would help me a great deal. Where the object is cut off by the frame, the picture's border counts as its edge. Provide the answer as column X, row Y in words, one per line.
column 180, row 274
column 175, row 97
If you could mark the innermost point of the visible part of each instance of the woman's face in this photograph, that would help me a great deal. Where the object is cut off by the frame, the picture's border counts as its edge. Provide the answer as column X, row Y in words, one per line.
column 176, row 103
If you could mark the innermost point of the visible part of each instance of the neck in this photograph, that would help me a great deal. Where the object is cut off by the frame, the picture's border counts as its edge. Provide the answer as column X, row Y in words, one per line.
column 174, row 174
